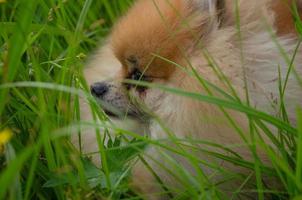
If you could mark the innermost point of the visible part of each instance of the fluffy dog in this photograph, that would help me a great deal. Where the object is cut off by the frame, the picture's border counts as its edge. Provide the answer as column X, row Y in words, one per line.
column 172, row 43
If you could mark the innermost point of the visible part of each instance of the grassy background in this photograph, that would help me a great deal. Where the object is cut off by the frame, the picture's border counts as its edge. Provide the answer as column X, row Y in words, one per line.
column 43, row 44
column 47, row 41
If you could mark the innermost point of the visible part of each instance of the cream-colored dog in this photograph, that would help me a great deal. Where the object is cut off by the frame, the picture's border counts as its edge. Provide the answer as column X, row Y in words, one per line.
column 166, row 42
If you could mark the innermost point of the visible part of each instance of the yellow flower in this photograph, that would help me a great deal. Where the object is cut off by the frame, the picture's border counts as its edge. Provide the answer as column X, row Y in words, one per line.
column 5, row 136
column 2, row 1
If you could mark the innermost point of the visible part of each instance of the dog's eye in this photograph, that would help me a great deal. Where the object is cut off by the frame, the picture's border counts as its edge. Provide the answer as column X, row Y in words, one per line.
column 137, row 75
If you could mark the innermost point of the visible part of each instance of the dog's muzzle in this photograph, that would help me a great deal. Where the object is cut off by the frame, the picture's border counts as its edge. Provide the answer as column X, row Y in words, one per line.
column 114, row 100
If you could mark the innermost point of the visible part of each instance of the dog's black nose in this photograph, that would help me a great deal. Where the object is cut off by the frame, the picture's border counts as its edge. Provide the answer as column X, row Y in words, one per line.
column 99, row 89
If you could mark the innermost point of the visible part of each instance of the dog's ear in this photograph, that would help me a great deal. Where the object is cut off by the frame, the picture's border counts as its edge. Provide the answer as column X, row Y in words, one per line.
column 300, row 5
column 211, row 5
column 215, row 8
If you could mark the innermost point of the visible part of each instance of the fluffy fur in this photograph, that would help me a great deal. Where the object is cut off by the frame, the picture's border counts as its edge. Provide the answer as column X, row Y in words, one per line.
column 186, row 32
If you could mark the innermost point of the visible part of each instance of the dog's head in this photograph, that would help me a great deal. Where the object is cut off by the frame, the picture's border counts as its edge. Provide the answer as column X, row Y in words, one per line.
column 158, row 40
column 151, row 42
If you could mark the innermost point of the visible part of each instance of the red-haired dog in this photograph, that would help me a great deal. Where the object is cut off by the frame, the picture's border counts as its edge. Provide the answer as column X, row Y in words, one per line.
column 243, row 46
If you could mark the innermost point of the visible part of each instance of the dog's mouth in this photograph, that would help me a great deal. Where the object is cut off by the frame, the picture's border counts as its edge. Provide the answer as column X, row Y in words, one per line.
column 111, row 114
column 139, row 116
column 121, row 113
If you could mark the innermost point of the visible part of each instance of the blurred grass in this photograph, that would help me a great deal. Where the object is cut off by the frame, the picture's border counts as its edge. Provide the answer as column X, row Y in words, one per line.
column 43, row 44
column 47, row 41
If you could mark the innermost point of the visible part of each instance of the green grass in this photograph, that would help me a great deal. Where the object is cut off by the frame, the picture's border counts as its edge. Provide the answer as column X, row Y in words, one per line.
column 43, row 45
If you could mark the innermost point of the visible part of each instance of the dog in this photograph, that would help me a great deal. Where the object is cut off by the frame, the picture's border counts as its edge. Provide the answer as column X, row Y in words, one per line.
column 187, row 44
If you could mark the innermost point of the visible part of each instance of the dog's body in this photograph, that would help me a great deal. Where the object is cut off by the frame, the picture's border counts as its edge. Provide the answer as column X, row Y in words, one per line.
column 204, row 35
